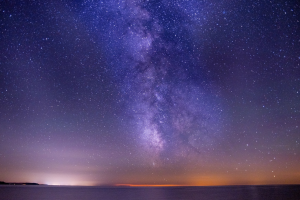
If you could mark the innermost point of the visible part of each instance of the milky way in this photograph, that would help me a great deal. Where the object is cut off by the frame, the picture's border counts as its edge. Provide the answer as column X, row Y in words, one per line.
column 169, row 107
column 150, row 92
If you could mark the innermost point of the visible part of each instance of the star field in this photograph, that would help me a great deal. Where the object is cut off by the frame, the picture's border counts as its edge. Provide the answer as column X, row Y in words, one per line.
column 181, row 92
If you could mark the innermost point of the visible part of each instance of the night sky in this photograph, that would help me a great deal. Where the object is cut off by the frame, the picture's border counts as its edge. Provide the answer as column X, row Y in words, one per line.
column 152, row 92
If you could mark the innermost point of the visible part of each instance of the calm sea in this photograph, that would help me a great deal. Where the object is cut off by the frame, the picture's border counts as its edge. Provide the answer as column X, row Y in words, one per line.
column 138, row 193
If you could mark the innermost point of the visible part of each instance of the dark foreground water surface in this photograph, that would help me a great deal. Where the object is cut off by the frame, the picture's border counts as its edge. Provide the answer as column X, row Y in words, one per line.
column 147, row 193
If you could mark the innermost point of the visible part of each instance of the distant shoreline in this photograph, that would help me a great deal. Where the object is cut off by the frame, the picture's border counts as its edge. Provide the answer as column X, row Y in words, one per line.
column 4, row 183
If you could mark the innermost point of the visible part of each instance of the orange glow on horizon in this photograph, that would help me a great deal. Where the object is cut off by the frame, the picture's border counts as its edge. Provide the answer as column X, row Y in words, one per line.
column 146, row 185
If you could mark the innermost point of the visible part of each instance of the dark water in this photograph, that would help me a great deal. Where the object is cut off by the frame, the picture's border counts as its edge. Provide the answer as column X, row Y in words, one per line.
column 134, row 193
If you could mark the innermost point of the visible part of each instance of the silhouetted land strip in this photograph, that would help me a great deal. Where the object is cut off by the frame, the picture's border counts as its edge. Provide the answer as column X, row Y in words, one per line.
column 4, row 183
